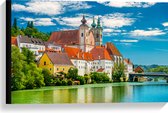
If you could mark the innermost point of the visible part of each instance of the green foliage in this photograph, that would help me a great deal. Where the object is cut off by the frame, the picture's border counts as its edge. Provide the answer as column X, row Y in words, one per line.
column 118, row 72
column 64, row 83
column 29, row 55
column 99, row 77
column 48, row 77
column 87, row 78
column 69, row 82
column 30, row 30
column 81, row 79
column 159, row 69
column 72, row 73
column 25, row 73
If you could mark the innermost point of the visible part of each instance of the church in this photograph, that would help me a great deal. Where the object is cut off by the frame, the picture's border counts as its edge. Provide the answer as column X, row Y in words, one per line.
column 84, row 38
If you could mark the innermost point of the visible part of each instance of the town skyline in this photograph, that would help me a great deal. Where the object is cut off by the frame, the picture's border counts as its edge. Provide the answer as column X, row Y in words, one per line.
column 137, row 34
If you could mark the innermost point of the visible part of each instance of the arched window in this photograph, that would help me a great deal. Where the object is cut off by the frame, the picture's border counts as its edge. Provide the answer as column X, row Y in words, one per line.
column 81, row 34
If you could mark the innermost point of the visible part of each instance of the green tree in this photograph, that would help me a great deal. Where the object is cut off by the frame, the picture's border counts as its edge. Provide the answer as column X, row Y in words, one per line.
column 17, row 76
column 118, row 72
column 72, row 73
column 31, row 24
column 48, row 77
column 159, row 69
column 28, row 54
column 81, row 79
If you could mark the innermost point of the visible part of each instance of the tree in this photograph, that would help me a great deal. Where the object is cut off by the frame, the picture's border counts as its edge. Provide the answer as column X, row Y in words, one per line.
column 159, row 69
column 48, row 77
column 99, row 77
column 118, row 72
column 15, row 24
column 31, row 24
column 72, row 73
column 28, row 24
column 81, row 79
column 17, row 76
column 28, row 54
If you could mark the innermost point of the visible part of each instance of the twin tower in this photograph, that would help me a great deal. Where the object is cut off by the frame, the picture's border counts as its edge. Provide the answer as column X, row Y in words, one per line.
column 89, row 38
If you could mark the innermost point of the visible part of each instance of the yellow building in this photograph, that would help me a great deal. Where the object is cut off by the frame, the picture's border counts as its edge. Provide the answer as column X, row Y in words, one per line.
column 55, row 62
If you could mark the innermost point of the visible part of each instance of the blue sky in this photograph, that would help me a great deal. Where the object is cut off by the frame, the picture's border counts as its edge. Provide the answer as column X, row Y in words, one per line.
column 138, row 29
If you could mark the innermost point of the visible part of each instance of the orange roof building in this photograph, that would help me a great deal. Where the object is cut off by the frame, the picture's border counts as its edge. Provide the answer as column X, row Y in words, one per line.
column 138, row 70
column 100, row 53
column 114, row 52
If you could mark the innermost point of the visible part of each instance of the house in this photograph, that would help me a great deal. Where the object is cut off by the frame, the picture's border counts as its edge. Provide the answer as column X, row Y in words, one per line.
column 33, row 44
column 114, row 52
column 52, row 47
column 128, row 67
column 102, row 60
column 138, row 70
column 55, row 62
column 81, row 60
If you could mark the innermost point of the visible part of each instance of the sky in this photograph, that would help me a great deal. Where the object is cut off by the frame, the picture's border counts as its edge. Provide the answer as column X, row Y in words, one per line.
column 138, row 29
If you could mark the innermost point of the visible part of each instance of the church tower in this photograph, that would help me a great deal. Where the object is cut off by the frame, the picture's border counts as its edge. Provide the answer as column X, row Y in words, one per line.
column 86, row 38
column 97, row 31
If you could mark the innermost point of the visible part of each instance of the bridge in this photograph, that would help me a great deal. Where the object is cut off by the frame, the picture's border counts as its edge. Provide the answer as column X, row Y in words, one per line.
column 135, row 76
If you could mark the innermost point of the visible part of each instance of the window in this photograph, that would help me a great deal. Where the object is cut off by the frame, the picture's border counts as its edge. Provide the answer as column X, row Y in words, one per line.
column 57, row 69
column 81, row 34
column 63, row 69
column 44, row 62
column 50, row 69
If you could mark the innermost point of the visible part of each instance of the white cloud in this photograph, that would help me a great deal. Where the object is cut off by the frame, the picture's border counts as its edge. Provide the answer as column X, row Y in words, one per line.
column 39, row 21
column 117, row 20
column 50, row 7
column 165, row 24
column 43, row 8
column 129, row 41
column 127, row 4
column 74, row 21
column 147, row 33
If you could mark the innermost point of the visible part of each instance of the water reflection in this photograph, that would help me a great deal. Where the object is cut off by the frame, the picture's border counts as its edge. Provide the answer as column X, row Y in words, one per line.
column 106, row 94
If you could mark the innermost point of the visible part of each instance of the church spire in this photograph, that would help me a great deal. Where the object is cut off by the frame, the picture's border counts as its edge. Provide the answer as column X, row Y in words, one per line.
column 93, row 24
column 98, row 23
column 83, row 20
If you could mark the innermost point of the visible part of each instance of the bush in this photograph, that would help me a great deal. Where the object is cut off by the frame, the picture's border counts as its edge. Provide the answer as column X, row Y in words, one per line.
column 81, row 79
column 64, row 82
column 69, row 82
column 99, row 78
column 58, row 82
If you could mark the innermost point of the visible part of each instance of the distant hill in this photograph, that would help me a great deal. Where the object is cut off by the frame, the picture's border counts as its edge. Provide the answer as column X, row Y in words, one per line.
column 148, row 67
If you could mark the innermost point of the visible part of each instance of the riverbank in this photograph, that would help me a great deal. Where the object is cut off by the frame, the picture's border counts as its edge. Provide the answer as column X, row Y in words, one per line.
column 93, row 85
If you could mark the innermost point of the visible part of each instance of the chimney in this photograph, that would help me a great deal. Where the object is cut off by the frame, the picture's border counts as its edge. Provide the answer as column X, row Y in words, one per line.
column 78, row 55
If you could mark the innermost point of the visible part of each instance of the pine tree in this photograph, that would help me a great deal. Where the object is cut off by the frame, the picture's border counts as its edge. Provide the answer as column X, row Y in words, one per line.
column 28, row 24
column 31, row 24
column 15, row 23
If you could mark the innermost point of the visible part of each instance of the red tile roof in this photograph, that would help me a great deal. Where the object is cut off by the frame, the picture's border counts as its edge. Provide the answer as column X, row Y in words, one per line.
column 100, row 70
column 111, row 48
column 69, row 37
column 138, row 69
column 14, row 41
column 128, row 61
column 76, row 53
column 59, row 58
column 100, row 53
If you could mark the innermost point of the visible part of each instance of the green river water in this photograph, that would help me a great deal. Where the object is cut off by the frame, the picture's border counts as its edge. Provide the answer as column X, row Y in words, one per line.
column 94, row 93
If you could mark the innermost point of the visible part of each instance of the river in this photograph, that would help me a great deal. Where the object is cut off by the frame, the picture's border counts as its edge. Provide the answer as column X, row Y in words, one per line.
column 94, row 93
